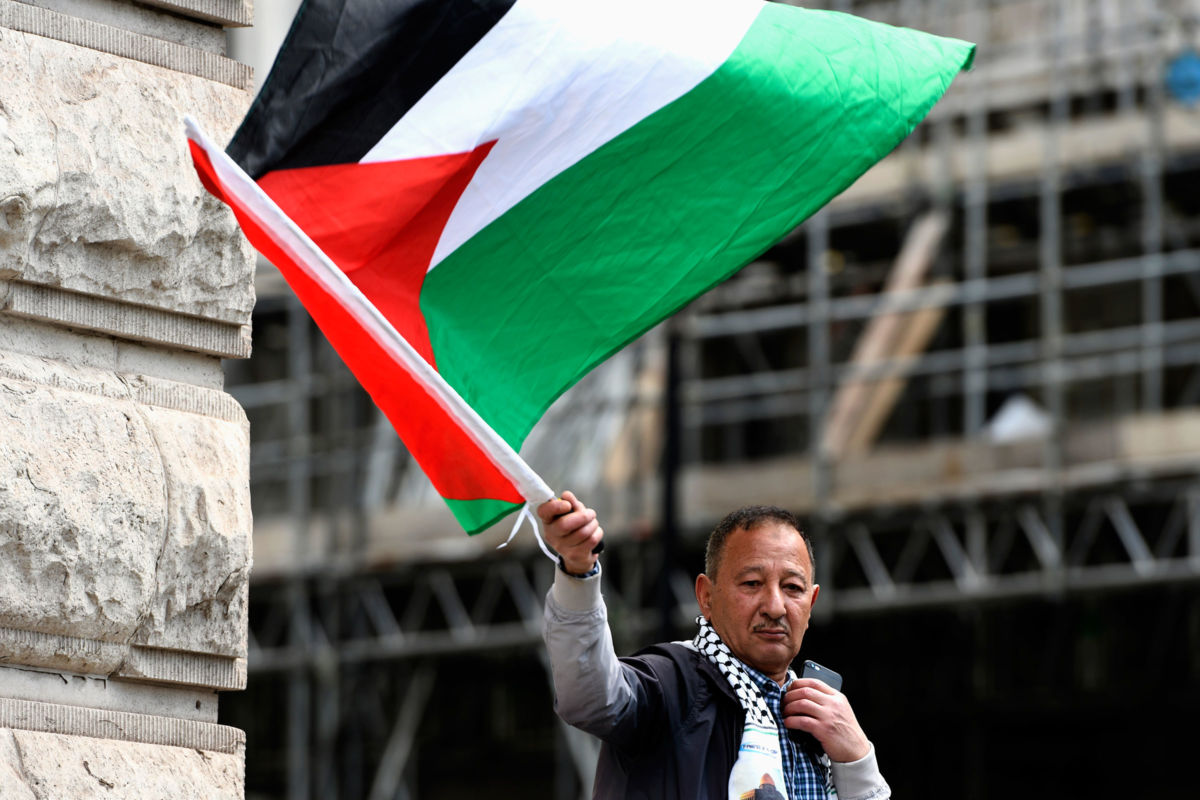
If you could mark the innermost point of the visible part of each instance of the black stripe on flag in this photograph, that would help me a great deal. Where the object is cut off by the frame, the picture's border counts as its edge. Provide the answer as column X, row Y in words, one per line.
column 348, row 70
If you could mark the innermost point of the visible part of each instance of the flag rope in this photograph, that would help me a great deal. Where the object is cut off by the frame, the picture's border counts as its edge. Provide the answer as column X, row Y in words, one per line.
column 527, row 513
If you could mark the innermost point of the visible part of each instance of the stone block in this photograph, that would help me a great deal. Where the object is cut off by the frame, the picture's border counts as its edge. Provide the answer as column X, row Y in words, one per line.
column 58, row 689
column 127, row 726
column 202, row 571
column 141, row 19
column 82, row 517
column 113, row 317
column 124, row 508
column 48, row 766
column 230, row 13
column 38, row 352
column 98, row 195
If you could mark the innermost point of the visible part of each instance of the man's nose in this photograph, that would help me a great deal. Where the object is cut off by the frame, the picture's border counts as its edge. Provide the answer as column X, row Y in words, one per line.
column 772, row 602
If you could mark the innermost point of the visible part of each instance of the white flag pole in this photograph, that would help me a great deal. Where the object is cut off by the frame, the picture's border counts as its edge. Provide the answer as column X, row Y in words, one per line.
column 318, row 266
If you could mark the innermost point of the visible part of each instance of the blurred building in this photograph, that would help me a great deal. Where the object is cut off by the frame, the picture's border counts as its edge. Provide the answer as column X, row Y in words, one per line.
column 976, row 374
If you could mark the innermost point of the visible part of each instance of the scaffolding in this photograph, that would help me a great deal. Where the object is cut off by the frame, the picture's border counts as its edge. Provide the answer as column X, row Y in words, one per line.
column 975, row 374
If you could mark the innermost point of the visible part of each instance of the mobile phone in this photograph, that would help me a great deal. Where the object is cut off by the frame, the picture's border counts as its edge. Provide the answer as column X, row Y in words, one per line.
column 814, row 670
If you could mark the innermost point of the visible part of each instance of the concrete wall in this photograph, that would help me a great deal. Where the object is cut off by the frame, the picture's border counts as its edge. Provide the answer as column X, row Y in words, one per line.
column 124, row 489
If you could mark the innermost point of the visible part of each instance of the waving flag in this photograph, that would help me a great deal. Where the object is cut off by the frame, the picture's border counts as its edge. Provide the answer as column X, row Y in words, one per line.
column 515, row 189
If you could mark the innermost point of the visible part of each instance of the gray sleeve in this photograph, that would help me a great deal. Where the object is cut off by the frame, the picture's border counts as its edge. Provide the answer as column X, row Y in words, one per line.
column 591, row 690
column 860, row 780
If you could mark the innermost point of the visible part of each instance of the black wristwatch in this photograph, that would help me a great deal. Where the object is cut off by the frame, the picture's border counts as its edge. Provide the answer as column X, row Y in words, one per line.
column 595, row 570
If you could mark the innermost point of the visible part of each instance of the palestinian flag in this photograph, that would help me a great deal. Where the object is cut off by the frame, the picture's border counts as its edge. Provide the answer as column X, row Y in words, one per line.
column 518, row 188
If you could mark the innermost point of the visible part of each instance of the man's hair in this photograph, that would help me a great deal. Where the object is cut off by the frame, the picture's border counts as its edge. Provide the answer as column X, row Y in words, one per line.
column 747, row 519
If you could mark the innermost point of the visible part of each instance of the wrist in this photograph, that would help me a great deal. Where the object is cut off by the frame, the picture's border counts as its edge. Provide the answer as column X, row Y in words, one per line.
column 851, row 752
column 576, row 569
column 576, row 595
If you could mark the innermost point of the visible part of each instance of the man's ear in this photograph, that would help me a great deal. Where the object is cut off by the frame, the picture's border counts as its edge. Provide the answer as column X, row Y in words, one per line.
column 704, row 595
column 816, row 591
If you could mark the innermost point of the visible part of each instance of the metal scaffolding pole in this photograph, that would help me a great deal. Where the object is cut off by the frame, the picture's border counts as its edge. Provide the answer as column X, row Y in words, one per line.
column 388, row 783
column 975, row 221
column 1011, row 366
column 1150, row 174
column 1050, row 271
column 299, row 683
column 1007, row 287
column 819, row 389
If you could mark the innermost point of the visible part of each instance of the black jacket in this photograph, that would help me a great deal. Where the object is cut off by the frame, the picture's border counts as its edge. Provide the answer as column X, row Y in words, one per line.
column 683, row 740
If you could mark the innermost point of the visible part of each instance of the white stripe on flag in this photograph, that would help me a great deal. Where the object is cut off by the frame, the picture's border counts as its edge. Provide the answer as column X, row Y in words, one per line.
column 552, row 82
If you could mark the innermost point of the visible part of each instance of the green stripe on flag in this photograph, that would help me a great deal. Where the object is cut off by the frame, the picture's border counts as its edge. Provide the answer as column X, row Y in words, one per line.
column 476, row 516
column 807, row 103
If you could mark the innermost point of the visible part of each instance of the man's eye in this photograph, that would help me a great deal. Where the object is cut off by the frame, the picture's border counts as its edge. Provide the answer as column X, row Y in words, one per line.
column 752, row 584
column 792, row 587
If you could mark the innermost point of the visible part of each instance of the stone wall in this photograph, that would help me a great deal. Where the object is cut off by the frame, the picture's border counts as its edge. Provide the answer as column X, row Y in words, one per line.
column 124, row 489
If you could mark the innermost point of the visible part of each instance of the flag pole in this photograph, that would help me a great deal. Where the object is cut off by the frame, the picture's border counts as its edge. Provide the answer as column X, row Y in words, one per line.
column 320, row 268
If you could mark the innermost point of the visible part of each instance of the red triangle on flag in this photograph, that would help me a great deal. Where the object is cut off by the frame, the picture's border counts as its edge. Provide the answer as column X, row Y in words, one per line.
column 450, row 456
column 380, row 222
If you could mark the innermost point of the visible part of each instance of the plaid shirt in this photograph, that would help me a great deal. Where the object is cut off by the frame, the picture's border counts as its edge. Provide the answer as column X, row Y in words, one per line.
column 803, row 771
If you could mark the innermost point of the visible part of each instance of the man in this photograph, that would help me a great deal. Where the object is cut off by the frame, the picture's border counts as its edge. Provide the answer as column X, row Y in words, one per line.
column 721, row 716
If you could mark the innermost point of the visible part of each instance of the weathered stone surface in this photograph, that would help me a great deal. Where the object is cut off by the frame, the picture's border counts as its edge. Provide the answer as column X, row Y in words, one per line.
column 139, row 18
column 120, row 661
column 105, row 694
column 127, row 726
column 184, row 668
column 231, row 13
column 53, row 651
column 203, row 569
column 17, row 15
column 82, row 516
column 12, row 773
column 97, row 191
column 86, row 312
column 51, row 356
column 46, row 766
column 122, row 520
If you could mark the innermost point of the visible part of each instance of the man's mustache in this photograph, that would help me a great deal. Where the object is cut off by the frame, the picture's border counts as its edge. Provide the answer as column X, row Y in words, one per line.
column 778, row 624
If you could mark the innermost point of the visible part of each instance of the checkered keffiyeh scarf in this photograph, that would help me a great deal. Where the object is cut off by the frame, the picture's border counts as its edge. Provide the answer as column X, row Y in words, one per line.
column 805, row 776
column 709, row 643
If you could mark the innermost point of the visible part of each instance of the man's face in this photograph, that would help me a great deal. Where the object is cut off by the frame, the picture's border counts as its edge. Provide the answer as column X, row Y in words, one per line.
column 761, row 599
